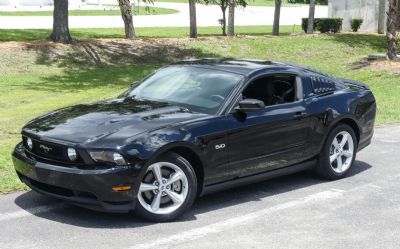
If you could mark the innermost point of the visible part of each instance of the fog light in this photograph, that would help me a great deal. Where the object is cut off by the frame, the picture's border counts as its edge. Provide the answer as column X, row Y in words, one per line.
column 72, row 154
column 29, row 143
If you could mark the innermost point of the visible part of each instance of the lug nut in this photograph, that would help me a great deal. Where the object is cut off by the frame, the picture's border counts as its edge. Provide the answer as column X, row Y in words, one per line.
column 156, row 183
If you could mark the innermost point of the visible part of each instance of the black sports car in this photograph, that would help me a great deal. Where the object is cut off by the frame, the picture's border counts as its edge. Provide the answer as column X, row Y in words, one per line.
column 196, row 127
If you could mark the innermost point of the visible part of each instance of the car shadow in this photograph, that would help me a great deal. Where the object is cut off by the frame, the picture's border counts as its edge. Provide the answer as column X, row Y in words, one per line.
column 82, row 217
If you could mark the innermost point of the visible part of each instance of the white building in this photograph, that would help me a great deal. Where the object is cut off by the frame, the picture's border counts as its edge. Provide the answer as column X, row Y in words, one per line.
column 36, row 2
column 371, row 11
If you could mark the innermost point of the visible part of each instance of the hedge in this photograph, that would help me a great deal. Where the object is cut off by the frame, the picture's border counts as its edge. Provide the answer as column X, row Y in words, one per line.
column 356, row 24
column 324, row 25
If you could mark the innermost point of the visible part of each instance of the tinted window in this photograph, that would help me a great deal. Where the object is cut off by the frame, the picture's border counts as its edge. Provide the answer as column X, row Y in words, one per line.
column 198, row 89
column 272, row 90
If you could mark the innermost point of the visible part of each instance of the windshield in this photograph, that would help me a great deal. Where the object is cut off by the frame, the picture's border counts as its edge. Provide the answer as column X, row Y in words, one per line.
column 198, row 89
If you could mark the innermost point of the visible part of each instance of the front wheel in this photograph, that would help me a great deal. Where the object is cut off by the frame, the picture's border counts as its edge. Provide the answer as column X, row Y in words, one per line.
column 168, row 188
column 338, row 153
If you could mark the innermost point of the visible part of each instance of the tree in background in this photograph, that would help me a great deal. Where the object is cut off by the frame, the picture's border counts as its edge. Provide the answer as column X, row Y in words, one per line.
column 392, row 22
column 193, row 21
column 223, row 4
column 126, row 12
column 321, row 2
column 277, row 17
column 311, row 17
column 231, row 17
column 60, row 22
column 382, row 15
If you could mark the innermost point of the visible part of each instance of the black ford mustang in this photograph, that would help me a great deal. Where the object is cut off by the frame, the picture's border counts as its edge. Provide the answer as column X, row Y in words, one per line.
column 193, row 128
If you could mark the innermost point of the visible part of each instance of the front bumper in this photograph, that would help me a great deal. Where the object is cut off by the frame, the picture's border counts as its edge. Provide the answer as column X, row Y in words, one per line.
column 88, row 188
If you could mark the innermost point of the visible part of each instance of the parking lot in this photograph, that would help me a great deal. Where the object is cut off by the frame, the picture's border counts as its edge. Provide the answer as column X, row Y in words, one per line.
column 298, row 211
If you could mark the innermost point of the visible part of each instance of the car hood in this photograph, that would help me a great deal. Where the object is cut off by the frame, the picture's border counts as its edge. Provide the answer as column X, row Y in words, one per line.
column 116, row 120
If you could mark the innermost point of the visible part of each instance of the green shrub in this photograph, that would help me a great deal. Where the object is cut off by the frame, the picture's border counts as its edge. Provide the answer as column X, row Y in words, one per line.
column 324, row 25
column 356, row 24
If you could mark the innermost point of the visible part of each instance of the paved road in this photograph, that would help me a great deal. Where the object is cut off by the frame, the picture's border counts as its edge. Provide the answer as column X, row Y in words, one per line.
column 206, row 16
column 298, row 211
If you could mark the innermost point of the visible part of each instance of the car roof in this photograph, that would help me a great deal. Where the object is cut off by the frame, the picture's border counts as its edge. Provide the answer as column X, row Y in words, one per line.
column 245, row 66
column 241, row 66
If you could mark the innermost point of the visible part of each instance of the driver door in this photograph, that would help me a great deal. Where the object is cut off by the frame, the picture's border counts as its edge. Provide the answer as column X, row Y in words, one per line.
column 270, row 138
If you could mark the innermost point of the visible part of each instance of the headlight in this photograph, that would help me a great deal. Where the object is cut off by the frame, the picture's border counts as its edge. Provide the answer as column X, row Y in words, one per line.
column 108, row 156
column 72, row 154
column 29, row 143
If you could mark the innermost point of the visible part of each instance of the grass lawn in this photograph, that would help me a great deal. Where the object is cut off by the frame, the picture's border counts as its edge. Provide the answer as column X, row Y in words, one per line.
column 176, row 32
column 37, row 77
column 107, row 12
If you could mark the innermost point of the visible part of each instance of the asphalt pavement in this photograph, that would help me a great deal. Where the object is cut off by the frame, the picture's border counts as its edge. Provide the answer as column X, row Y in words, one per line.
column 297, row 211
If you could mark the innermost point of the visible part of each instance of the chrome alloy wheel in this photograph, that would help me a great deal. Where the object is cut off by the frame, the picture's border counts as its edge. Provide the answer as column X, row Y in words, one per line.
column 164, row 188
column 341, row 152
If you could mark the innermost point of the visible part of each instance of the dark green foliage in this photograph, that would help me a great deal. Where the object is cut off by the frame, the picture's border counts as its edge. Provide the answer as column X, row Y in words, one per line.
column 356, row 24
column 324, row 25
column 320, row 2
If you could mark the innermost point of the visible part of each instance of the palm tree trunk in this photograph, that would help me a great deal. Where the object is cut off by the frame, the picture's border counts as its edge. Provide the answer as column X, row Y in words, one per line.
column 382, row 15
column 223, row 9
column 277, row 16
column 392, row 20
column 126, row 13
column 193, row 21
column 311, row 17
column 231, row 17
column 60, row 22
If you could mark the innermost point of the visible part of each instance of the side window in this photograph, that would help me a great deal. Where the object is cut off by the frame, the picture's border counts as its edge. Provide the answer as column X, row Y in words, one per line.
column 272, row 90
column 321, row 84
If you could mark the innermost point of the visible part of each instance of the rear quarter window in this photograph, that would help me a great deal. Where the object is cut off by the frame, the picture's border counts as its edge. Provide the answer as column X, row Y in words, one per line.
column 322, row 84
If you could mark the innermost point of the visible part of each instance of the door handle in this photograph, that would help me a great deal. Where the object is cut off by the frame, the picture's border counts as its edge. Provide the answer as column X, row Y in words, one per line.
column 300, row 115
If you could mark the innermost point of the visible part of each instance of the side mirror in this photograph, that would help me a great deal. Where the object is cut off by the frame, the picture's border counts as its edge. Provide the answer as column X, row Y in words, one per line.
column 250, row 105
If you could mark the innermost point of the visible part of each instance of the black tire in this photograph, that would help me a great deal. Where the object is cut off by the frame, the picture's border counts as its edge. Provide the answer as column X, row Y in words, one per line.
column 187, row 168
column 323, row 167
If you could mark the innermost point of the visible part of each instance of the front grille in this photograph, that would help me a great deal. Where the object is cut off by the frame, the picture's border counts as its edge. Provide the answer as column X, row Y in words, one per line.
column 49, row 152
column 51, row 189
column 56, row 190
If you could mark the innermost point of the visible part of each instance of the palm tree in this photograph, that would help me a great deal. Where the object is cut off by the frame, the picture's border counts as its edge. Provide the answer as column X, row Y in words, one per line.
column 382, row 16
column 223, row 5
column 311, row 17
column 392, row 22
column 193, row 21
column 231, row 17
column 60, row 22
column 275, row 29
column 126, row 12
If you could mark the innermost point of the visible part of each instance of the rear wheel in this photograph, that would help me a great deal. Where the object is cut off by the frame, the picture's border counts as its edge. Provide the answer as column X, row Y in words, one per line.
column 338, row 153
column 168, row 188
